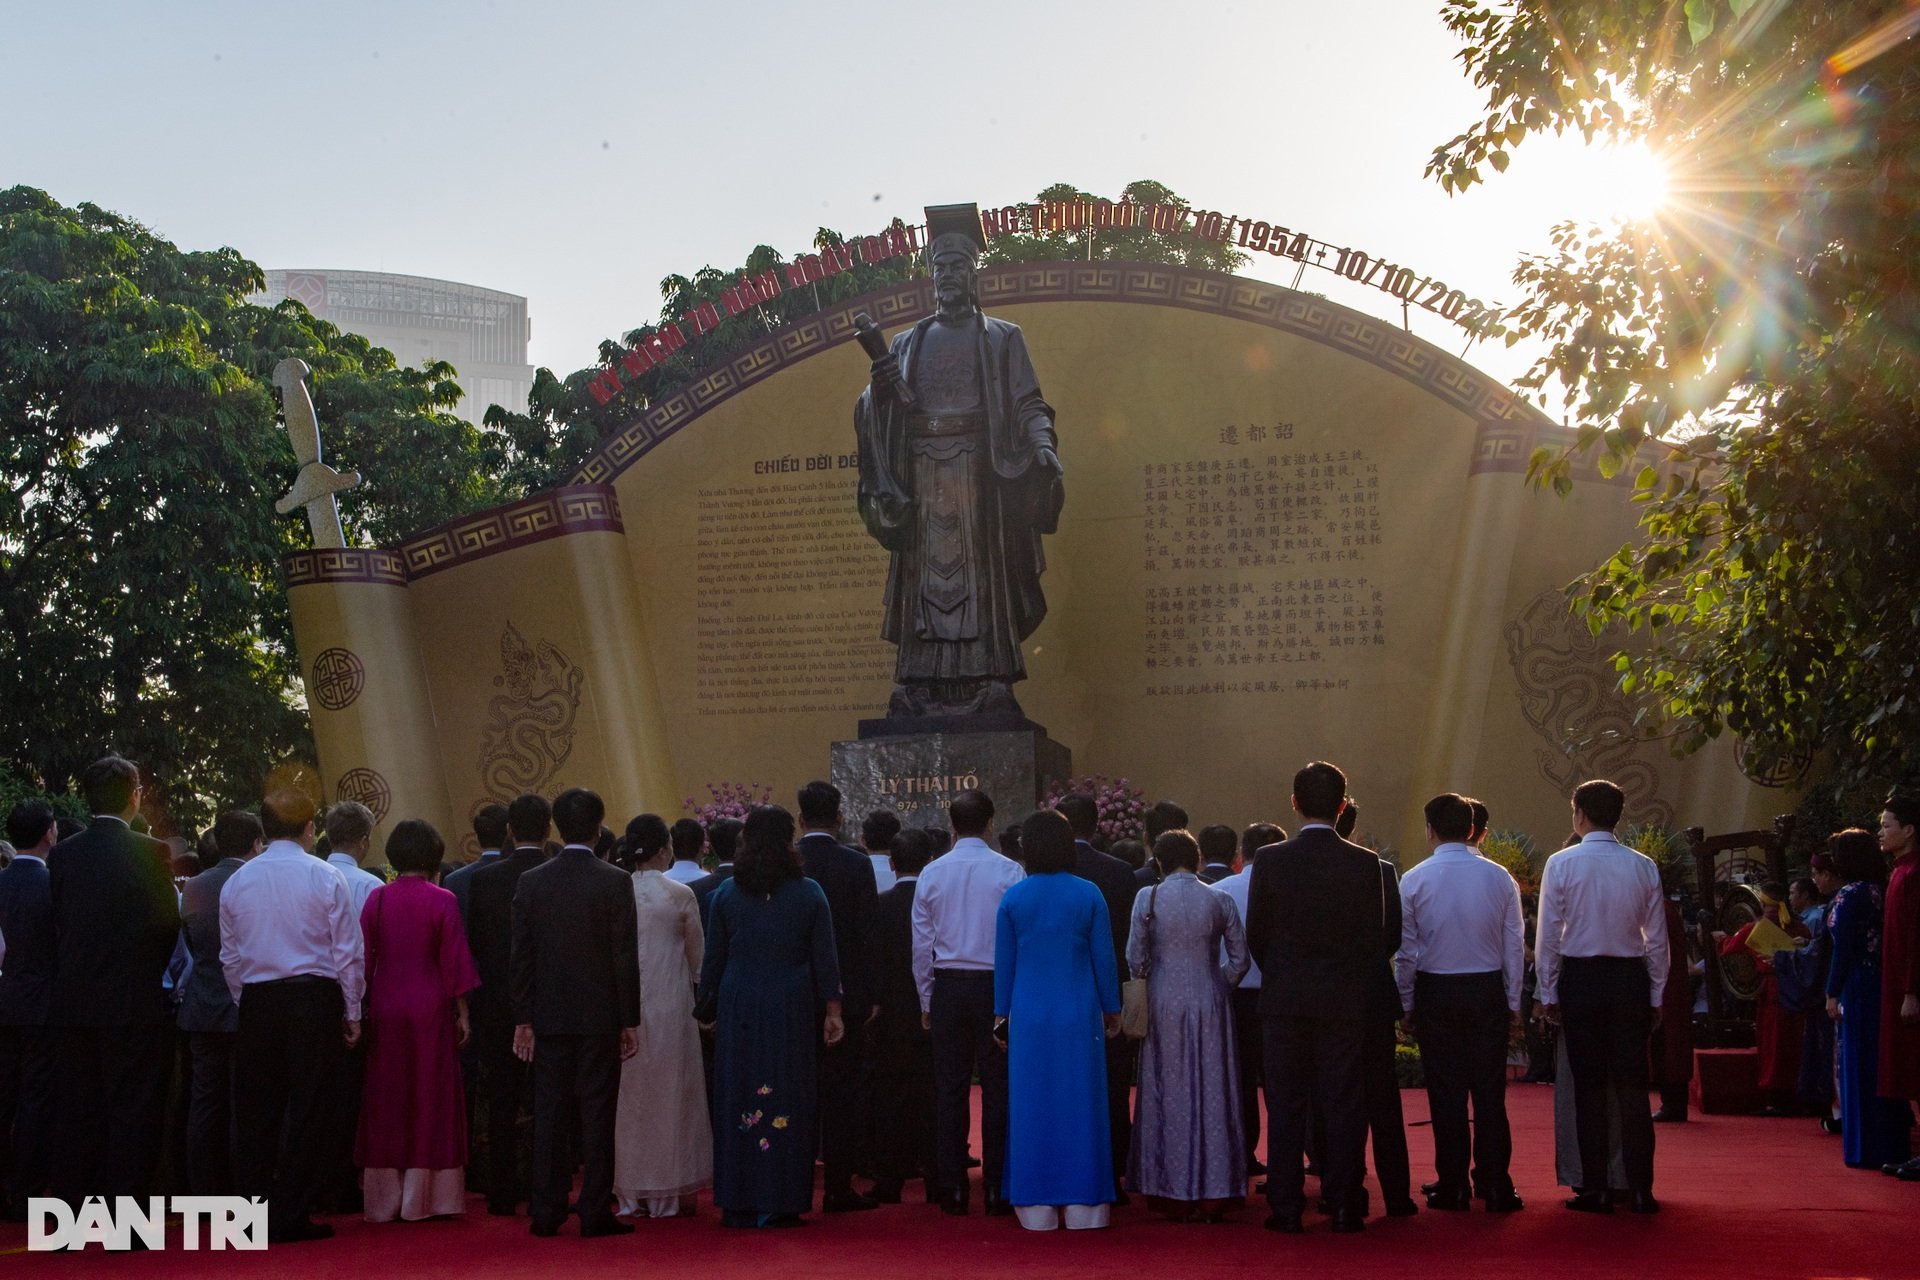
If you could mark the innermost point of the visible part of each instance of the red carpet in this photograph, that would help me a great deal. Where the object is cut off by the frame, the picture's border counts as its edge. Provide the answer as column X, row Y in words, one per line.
column 1744, row 1197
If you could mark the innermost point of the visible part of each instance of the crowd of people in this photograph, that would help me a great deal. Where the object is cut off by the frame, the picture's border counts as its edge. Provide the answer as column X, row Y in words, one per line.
column 611, row 1006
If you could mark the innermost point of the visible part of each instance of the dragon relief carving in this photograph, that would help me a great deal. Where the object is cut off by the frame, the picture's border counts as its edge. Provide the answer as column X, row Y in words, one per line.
column 529, row 731
column 1571, row 696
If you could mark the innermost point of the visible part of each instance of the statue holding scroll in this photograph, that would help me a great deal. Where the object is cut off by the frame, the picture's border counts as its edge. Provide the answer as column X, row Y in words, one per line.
column 959, row 479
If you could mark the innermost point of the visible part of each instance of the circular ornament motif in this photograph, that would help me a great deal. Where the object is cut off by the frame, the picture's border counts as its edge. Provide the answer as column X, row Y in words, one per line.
column 338, row 678
column 369, row 788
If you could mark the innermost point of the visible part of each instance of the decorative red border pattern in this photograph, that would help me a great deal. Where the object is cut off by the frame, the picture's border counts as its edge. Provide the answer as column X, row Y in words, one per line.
column 573, row 508
column 1507, row 423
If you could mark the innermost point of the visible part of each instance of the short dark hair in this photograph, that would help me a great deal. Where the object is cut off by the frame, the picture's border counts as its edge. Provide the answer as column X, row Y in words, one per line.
column 1905, row 808
column 723, row 837
column 234, row 833
column 878, row 831
column 285, row 813
column 819, row 804
column 912, row 851
column 108, row 784
column 348, row 822
column 1481, row 817
column 688, row 838
column 972, row 813
column 1217, row 844
column 1046, row 843
column 1805, row 885
column 27, row 823
column 1176, row 850
column 65, row 828
column 530, row 819
column 489, row 826
column 1349, row 819
column 415, row 846
column 1601, row 801
column 1010, row 840
column 767, row 856
column 942, row 839
column 578, row 813
column 647, row 835
column 1775, row 890
column 1163, row 815
column 1451, row 816
column 1131, row 852
column 1857, row 857
column 1258, row 836
column 1319, row 790
column 1082, row 813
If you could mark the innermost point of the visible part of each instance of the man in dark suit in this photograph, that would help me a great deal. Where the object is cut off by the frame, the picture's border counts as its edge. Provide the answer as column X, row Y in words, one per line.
column 26, row 1002
column 723, row 836
column 503, row 1077
column 576, row 1007
column 1314, row 911
column 490, row 829
column 902, row 1047
column 1161, row 815
column 1115, row 881
column 1219, row 853
column 1385, row 1121
column 846, row 877
column 115, row 923
column 208, row 1016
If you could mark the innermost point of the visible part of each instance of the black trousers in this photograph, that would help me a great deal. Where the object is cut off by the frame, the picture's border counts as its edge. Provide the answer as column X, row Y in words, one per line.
column 903, row 1103
column 210, row 1128
column 507, row 1084
column 26, row 1115
column 843, row 1103
column 287, row 1058
column 109, row 1109
column 574, row 1076
column 1385, row 1122
column 962, row 1012
column 1605, row 1018
column 1247, row 1048
column 1463, row 1049
column 1305, row 1057
column 1122, row 1053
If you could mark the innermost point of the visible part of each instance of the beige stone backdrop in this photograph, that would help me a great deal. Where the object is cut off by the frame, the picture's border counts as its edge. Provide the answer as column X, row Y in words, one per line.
column 1292, row 531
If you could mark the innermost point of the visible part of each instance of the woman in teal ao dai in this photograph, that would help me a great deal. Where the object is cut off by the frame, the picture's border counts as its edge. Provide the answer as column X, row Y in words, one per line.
column 1057, row 990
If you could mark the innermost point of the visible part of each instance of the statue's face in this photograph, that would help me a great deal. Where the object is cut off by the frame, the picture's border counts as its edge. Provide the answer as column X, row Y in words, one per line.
column 953, row 279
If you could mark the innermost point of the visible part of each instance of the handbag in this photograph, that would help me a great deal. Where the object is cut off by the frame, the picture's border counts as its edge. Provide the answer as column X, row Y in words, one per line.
column 1133, row 992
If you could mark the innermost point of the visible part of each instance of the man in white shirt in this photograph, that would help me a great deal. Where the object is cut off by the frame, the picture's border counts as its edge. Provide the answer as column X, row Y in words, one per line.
column 1246, row 996
column 1462, row 957
column 689, row 842
column 349, row 827
column 1600, row 957
column 956, row 903
column 291, row 953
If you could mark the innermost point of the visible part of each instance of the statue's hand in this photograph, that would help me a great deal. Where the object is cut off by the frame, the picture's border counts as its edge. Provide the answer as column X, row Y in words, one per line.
column 1051, row 461
column 886, row 371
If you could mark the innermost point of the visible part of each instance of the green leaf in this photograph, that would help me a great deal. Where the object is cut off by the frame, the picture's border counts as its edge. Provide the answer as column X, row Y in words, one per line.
column 1699, row 19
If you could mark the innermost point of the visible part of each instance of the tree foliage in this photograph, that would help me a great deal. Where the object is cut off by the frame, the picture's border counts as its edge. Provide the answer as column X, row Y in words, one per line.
column 1138, row 243
column 140, row 454
column 1768, row 318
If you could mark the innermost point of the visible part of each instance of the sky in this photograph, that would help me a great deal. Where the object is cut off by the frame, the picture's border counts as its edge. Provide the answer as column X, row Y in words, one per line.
column 577, row 152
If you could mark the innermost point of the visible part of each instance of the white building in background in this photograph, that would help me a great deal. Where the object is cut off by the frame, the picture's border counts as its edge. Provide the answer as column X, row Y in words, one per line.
column 483, row 333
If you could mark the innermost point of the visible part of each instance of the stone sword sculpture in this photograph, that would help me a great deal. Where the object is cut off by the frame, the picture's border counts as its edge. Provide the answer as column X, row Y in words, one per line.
column 316, row 482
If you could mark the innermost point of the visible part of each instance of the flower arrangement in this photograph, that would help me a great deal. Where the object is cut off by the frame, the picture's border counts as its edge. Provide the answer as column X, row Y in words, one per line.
column 728, row 800
column 1669, row 851
column 1122, row 805
column 1515, row 851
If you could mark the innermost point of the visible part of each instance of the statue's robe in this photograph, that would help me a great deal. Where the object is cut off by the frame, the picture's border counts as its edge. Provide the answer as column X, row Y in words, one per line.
column 961, row 502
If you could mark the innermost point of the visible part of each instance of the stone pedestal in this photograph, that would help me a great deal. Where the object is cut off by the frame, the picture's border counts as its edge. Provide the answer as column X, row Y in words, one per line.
column 915, row 768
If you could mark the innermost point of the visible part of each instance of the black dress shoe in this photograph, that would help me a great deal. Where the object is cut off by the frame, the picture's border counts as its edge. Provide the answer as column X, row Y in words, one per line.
column 1831, row 1127
column 1402, row 1208
column 885, row 1192
column 1255, row 1168
column 544, row 1229
column 1504, row 1202
column 607, row 1226
column 973, row 1162
column 503, row 1208
column 1643, row 1202
column 1120, row 1200
column 1287, row 1224
column 1348, row 1221
column 849, row 1202
column 1664, row 1116
column 1909, row 1172
column 955, row 1204
column 995, row 1207
column 784, row 1220
column 296, row 1232
column 1591, row 1202
column 1450, row 1199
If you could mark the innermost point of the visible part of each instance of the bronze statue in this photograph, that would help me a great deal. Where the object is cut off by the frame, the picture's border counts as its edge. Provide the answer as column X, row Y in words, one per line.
column 959, row 478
